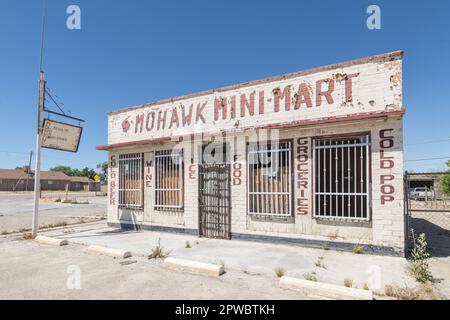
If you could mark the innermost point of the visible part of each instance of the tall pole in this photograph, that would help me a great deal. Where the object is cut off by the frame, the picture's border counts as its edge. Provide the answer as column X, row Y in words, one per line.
column 41, row 100
column 29, row 170
column 37, row 173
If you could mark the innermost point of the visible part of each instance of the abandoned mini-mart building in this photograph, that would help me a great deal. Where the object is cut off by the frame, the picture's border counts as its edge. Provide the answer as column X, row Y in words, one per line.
column 312, row 157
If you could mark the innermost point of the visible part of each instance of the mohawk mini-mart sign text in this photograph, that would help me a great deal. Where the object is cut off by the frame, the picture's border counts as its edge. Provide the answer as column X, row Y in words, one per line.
column 330, row 93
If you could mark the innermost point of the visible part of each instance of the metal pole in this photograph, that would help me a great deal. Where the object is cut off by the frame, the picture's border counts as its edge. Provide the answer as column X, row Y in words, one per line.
column 29, row 170
column 37, row 174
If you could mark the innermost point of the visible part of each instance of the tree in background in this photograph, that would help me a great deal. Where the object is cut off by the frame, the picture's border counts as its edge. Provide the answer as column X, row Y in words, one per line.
column 445, row 181
column 64, row 169
column 104, row 173
column 85, row 172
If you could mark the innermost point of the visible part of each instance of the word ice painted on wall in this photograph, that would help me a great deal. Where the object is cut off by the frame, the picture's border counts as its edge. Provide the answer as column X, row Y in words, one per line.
column 302, row 175
column 386, row 163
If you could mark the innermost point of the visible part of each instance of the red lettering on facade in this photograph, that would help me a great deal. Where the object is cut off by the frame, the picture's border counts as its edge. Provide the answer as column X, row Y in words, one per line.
column 149, row 125
column 237, row 173
column 174, row 120
column 286, row 95
column 261, row 102
column 220, row 104
column 386, row 162
column 187, row 118
column 192, row 172
column 349, row 87
column 162, row 119
column 302, row 167
column 249, row 105
column 326, row 94
column 198, row 115
column 139, row 123
column 303, row 96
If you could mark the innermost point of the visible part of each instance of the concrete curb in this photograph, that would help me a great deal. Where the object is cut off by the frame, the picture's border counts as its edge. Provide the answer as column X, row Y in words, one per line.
column 51, row 241
column 325, row 289
column 195, row 266
column 109, row 251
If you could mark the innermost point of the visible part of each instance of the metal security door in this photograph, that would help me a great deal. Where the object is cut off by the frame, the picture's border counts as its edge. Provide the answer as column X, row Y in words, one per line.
column 214, row 201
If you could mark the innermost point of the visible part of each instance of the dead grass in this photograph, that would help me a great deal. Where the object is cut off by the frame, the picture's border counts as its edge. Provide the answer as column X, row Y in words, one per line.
column 319, row 263
column 358, row 249
column 310, row 277
column 158, row 252
column 54, row 225
column 279, row 271
column 423, row 292
column 27, row 236
column 348, row 282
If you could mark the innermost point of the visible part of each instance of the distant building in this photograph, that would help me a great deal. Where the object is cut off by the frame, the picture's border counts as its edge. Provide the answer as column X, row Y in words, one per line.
column 23, row 180
column 430, row 180
column 83, row 184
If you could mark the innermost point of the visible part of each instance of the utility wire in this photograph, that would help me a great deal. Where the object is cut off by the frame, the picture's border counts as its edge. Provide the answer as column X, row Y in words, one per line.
column 427, row 159
column 54, row 101
column 42, row 37
column 54, row 158
column 427, row 142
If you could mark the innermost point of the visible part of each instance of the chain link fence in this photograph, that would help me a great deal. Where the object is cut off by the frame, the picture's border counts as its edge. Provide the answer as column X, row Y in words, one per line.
column 428, row 214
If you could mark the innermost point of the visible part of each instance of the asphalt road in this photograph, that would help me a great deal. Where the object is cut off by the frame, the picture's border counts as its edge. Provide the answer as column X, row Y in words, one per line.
column 16, row 211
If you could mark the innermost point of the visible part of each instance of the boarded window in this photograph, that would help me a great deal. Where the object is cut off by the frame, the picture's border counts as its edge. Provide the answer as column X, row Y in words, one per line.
column 169, row 192
column 130, row 181
column 341, row 183
column 269, row 179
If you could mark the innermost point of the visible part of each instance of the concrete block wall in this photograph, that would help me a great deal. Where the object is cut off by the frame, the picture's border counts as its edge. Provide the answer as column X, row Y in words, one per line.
column 371, row 87
column 386, row 224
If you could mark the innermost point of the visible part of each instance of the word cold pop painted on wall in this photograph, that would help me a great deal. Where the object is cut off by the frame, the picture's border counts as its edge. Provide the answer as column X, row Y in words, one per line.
column 386, row 163
column 302, row 175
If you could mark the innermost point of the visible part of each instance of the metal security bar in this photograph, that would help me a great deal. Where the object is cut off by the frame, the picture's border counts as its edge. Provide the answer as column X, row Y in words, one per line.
column 214, row 201
column 130, row 181
column 269, row 179
column 341, row 178
column 169, row 191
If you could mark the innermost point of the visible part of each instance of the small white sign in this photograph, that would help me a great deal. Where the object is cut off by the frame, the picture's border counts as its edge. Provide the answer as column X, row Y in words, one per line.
column 61, row 136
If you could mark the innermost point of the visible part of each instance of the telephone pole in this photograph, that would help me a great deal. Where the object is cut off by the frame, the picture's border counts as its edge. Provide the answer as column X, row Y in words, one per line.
column 41, row 100
column 29, row 170
column 37, row 173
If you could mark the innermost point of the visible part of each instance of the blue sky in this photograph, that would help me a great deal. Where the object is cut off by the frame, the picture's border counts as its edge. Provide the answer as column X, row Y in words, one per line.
column 136, row 51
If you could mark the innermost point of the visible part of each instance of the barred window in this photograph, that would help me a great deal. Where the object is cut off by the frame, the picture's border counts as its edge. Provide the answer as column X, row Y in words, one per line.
column 169, row 193
column 130, row 181
column 269, row 179
column 341, row 183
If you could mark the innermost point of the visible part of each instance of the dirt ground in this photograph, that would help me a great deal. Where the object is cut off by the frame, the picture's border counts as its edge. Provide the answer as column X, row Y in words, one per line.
column 32, row 271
